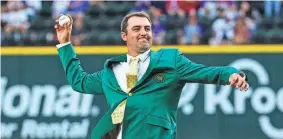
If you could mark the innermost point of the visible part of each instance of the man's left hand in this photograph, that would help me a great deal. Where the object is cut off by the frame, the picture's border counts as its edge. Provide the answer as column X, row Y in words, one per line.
column 239, row 81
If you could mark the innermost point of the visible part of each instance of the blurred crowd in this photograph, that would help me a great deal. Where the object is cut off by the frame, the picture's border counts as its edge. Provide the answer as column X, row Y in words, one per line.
column 30, row 22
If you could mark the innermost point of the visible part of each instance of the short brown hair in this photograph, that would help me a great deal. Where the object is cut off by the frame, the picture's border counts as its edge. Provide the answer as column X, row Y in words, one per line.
column 124, row 23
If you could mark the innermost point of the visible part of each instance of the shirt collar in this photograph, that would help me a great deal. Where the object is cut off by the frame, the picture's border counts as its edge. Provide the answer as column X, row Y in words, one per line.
column 142, row 56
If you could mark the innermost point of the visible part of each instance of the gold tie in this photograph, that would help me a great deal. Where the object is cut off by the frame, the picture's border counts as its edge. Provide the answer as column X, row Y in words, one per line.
column 118, row 114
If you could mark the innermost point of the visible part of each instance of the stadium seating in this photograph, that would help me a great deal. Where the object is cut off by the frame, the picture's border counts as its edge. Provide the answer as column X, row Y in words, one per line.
column 103, row 26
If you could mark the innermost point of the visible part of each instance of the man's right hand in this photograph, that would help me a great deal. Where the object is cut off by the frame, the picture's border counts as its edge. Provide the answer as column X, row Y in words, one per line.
column 64, row 32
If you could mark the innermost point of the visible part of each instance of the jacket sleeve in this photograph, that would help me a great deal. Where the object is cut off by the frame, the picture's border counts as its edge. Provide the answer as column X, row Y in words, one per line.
column 79, row 80
column 189, row 71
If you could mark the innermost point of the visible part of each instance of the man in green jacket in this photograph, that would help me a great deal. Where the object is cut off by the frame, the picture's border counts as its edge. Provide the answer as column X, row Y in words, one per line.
column 142, row 87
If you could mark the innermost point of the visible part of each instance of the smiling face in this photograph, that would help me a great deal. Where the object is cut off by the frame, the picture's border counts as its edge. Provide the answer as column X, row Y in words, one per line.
column 138, row 35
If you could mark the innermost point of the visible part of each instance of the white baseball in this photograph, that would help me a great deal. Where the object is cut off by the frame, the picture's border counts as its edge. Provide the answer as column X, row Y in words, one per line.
column 63, row 19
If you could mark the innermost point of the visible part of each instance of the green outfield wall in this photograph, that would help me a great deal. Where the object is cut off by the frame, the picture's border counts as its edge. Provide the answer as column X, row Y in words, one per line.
column 37, row 102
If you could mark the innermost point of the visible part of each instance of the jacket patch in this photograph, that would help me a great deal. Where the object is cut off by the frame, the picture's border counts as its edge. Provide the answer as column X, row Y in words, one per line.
column 160, row 77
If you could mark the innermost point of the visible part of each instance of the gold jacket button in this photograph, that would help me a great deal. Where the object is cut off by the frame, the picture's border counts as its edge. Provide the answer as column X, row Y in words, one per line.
column 130, row 94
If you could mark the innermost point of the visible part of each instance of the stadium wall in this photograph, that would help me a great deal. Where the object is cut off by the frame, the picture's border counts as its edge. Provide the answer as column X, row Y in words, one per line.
column 37, row 101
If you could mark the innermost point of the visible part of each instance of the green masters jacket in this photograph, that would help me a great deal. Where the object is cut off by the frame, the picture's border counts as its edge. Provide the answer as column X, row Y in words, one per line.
column 151, row 108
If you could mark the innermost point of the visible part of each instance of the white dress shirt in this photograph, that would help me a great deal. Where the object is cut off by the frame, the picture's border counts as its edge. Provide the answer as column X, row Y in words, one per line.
column 120, row 70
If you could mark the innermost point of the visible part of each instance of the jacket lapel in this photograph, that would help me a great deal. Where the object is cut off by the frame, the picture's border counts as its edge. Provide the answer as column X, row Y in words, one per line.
column 154, row 57
column 110, row 74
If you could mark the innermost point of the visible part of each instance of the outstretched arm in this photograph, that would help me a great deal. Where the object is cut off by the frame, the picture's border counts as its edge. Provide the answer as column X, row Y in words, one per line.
column 77, row 77
column 189, row 71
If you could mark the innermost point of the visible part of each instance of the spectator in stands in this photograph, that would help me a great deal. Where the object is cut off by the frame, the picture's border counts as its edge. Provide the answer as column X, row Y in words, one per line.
column 232, row 11
column 223, row 30
column 192, row 30
column 16, row 19
column 207, row 10
column 60, row 7
column 246, row 12
column 226, row 4
column 35, row 4
column 246, row 9
column 206, row 15
column 173, row 10
column 220, row 13
column 158, row 28
column 33, row 8
column 271, row 6
column 241, row 31
column 176, row 17
column 158, row 32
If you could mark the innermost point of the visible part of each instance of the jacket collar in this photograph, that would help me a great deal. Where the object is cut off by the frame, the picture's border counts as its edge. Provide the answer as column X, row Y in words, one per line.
column 142, row 56
column 126, row 57
column 154, row 57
